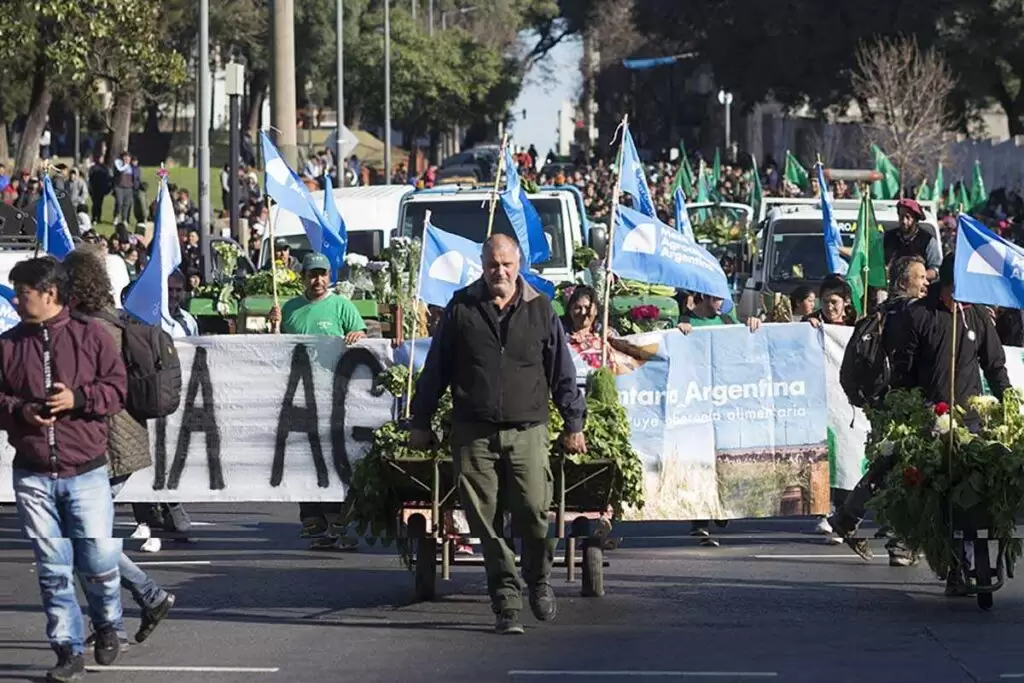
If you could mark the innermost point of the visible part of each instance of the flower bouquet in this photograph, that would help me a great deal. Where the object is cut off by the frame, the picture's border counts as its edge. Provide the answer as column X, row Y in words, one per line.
column 640, row 319
column 935, row 487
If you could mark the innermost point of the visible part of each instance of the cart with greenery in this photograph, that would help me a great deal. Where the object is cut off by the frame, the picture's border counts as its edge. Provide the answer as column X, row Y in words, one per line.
column 406, row 497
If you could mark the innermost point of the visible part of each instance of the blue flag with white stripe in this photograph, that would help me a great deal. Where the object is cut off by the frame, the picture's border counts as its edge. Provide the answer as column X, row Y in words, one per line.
column 987, row 269
column 52, row 233
column 632, row 178
column 147, row 299
column 335, row 234
column 523, row 216
column 683, row 224
column 8, row 313
column 833, row 239
column 649, row 251
column 450, row 262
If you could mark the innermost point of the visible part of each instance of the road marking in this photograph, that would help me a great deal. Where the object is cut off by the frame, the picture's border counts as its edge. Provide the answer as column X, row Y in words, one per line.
column 646, row 674
column 1011, row 675
column 188, row 669
column 171, row 563
column 842, row 556
column 135, row 524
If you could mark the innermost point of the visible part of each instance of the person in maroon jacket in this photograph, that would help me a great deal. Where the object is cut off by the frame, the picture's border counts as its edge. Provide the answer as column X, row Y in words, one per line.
column 61, row 377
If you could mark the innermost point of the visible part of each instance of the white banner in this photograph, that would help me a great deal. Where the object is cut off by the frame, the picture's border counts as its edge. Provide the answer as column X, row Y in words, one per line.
column 262, row 418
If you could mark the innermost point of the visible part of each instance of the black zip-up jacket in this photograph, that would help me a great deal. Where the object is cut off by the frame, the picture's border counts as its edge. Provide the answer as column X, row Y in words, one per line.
column 501, row 366
column 920, row 342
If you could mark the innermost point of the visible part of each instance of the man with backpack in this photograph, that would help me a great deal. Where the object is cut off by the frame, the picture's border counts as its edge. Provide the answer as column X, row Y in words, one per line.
column 128, row 444
column 707, row 312
column 918, row 343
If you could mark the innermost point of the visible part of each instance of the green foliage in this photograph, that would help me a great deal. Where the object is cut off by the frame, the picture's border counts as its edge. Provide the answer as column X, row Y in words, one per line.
column 983, row 477
column 375, row 499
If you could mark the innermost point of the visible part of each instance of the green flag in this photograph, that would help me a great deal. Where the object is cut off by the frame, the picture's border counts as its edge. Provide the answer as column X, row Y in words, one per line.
column 703, row 192
column 889, row 186
column 867, row 261
column 716, row 169
column 756, row 191
column 937, row 190
column 795, row 173
column 962, row 199
column 856, row 191
column 684, row 175
column 978, row 197
column 924, row 191
column 951, row 197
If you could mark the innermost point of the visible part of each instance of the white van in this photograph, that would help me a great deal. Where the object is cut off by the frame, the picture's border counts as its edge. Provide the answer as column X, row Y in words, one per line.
column 791, row 245
column 370, row 214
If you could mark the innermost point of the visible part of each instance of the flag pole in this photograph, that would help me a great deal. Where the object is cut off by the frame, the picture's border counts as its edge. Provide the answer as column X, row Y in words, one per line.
column 865, row 271
column 497, row 183
column 274, row 327
column 415, row 320
column 611, row 242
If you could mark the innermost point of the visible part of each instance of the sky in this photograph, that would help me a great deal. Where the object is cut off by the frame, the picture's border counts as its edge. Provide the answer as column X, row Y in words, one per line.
column 542, row 99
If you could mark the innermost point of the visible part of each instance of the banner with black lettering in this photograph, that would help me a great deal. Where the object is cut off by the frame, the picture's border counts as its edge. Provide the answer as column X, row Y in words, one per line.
column 262, row 418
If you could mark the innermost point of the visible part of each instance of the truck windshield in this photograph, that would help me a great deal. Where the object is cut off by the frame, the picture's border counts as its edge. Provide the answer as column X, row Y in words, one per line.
column 359, row 242
column 468, row 218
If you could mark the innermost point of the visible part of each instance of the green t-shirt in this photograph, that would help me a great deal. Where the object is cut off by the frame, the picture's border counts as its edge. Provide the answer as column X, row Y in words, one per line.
column 333, row 316
column 708, row 322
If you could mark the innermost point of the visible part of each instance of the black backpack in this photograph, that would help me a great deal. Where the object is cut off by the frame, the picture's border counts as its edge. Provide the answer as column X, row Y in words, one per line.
column 154, row 369
column 865, row 373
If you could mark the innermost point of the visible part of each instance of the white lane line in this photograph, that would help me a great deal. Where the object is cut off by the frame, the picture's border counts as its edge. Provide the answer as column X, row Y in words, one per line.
column 1011, row 675
column 646, row 674
column 172, row 563
column 134, row 524
column 188, row 669
column 843, row 556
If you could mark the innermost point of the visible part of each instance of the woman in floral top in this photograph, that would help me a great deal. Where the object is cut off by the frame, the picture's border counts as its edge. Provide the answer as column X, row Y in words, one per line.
column 582, row 327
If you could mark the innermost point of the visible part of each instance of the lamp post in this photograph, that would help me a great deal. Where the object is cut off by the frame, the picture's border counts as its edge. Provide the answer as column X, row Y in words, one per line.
column 725, row 99
column 235, row 88
column 339, row 146
column 203, row 129
column 387, row 92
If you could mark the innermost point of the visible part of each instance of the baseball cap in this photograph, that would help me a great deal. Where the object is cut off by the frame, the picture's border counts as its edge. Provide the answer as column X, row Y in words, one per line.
column 281, row 243
column 315, row 261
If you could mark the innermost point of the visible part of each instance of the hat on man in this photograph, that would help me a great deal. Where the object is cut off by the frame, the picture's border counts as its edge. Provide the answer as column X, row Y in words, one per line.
column 912, row 206
column 314, row 261
column 281, row 243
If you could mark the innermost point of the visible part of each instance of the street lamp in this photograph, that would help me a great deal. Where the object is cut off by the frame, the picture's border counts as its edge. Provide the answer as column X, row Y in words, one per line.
column 387, row 92
column 725, row 99
column 235, row 88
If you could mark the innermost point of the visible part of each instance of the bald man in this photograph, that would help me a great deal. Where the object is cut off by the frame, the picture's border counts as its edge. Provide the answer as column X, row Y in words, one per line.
column 502, row 350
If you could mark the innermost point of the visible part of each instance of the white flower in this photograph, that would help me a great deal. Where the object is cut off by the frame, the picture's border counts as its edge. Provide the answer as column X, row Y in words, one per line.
column 887, row 448
column 943, row 423
column 401, row 241
column 356, row 260
column 377, row 266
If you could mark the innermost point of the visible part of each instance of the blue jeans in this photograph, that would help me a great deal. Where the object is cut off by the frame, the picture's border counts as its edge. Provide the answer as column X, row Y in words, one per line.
column 145, row 591
column 70, row 522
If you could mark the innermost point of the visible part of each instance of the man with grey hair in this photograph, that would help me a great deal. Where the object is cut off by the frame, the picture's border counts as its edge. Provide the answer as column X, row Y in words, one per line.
column 501, row 349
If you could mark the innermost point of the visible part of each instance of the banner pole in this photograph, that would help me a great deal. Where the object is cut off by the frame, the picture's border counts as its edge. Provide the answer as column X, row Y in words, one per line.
column 415, row 320
column 274, row 327
column 497, row 183
column 611, row 243
column 866, row 270
column 952, row 417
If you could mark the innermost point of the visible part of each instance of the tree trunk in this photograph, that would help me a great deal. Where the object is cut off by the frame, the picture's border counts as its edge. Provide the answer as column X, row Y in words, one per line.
column 354, row 113
column 120, row 124
column 4, row 152
column 152, row 119
column 38, row 108
column 258, row 85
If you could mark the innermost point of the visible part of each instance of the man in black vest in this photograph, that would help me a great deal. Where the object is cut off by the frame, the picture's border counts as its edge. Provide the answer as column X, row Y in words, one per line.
column 910, row 240
column 502, row 350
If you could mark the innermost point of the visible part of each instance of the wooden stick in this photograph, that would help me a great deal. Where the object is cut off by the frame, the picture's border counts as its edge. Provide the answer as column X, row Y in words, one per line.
column 415, row 320
column 497, row 183
column 274, row 327
column 611, row 243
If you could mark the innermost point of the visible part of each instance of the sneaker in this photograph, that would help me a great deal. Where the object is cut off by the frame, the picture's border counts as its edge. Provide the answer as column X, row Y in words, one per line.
column 833, row 539
column 507, row 623
column 542, row 602
column 312, row 528
column 823, row 528
column 142, row 532
column 464, row 550
column 708, row 542
column 151, row 618
column 900, row 555
column 122, row 639
column 152, row 545
column 861, row 547
column 107, row 646
column 701, row 531
column 69, row 667
column 322, row 543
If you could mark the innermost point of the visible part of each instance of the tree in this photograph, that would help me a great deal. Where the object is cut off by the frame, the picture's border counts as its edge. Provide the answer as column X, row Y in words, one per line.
column 905, row 91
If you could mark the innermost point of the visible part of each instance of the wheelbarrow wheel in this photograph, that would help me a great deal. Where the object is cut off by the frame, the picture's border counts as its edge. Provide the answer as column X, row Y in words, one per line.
column 983, row 574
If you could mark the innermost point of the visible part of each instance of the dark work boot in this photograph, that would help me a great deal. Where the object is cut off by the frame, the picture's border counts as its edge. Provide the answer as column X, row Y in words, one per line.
column 507, row 623
column 151, row 618
column 107, row 646
column 69, row 667
column 542, row 602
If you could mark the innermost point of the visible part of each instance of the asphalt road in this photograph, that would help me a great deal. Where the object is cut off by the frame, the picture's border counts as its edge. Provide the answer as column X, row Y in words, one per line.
column 772, row 603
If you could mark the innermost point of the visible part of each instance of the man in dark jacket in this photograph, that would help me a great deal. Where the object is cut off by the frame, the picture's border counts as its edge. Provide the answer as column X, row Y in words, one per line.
column 920, row 344
column 128, row 438
column 910, row 240
column 502, row 351
column 61, row 377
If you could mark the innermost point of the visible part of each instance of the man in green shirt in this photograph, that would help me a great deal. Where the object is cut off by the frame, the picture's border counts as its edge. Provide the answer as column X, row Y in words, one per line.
column 321, row 311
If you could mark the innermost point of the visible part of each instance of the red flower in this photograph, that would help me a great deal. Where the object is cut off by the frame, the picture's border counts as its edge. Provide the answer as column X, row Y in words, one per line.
column 912, row 477
column 941, row 408
column 645, row 312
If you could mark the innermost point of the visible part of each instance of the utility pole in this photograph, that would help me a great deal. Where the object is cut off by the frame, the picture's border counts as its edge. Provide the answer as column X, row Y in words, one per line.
column 283, row 86
column 339, row 162
column 235, row 88
column 203, row 126
column 430, row 17
column 387, row 92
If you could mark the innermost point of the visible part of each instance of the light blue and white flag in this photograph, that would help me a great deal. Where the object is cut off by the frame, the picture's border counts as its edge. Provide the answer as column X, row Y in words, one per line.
column 450, row 262
column 632, row 178
column 523, row 216
column 987, row 269
column 147, row 299
column 335, row 234
column 649, row 251
column 52, row 233
column 8, row 314
column 683, row 224
column 833, row 239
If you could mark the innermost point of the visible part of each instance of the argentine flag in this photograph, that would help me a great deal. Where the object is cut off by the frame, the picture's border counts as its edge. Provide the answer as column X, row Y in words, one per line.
column 450, row 262
column 987, row 269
